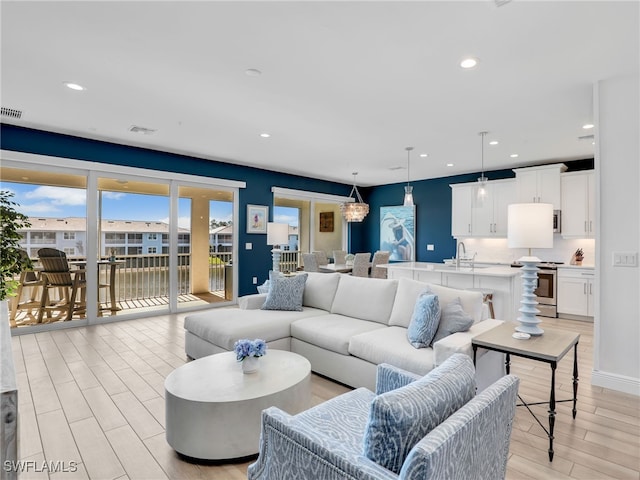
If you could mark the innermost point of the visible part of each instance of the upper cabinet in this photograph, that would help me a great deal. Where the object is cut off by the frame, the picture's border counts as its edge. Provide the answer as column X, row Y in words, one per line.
column 470, row 218
column 578, row 205
column 540, row 184
column 461, row 198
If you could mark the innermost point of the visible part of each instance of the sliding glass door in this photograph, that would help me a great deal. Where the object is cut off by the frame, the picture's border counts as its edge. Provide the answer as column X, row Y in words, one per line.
column 314, row 220
column 144, row 241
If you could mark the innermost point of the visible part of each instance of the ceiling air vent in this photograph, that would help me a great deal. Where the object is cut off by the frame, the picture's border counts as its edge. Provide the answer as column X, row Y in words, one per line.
column 396, row 168
column 586, row 137
column 11, row 112
column 143, row 130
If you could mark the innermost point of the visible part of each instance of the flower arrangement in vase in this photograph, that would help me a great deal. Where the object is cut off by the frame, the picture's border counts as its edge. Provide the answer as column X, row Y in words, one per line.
column 248, row 352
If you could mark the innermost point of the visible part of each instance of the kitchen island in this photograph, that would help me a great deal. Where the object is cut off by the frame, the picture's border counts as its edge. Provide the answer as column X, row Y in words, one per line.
column 504, row 281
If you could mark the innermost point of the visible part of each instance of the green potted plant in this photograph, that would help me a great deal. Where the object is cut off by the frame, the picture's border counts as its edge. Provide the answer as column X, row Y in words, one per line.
column 11, row 261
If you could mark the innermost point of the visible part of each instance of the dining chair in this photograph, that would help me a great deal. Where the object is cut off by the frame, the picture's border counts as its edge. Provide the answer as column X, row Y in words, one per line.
column 29, row 287
column 379, row 258
column 321, row 257
column 309, row 262
column 56, row 274
column 339, row 257
column 361, row 265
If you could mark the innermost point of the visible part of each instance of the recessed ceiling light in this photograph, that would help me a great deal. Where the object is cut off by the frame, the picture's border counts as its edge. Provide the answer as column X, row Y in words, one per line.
column 469, row 62
column 449, row 164
column 587, row 126
column 74, row 86
column 253, row 72
column 514, row 155
column 265, row 135
column 423, row 155
column 493, row 142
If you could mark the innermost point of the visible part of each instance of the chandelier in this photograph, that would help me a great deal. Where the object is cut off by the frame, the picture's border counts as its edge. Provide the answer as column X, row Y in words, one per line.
column 354, row 211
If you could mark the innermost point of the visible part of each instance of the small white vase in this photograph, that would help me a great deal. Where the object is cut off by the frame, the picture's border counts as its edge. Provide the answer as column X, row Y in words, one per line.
column 250, row 364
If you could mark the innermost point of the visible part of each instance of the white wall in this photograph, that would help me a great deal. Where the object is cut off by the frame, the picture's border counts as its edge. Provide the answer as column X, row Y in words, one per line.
column 617, row 163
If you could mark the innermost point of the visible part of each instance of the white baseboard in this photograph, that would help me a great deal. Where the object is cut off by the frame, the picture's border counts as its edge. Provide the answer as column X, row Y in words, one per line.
column 616, row 382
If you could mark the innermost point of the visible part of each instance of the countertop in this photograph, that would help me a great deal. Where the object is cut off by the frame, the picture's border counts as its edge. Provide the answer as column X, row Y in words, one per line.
column 491, row 271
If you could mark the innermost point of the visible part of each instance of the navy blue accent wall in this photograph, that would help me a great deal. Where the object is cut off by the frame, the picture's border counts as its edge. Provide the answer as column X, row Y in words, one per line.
column 251, row 263
column 432, row 197
column 433, row 213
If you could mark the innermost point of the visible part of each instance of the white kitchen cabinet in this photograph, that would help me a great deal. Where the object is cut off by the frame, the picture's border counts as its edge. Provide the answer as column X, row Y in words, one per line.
column 490, row 218
column 540, row 184
column 470, row 219
column 578, row 205
column 456, row 280
column 461, row 197
column 428, row 276
column 576, row 292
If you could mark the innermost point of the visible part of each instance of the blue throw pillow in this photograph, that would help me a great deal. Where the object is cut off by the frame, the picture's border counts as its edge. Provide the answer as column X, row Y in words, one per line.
column 424, row 321
column 285, row 293
column 399, row 419
column 453, row 319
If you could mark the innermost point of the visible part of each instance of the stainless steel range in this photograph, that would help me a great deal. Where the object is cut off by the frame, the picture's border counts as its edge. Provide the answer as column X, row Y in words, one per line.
column 547, row 289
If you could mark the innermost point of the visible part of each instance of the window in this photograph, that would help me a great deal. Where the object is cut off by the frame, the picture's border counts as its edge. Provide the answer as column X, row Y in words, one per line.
column 183, row 249
column 152, row 236
column 43, row 238
column 152, row 250
column 165, row 250
column 134, row 250
column 111, row 238
column 184, row 238
column 69, row 235
column 70, row 251
column 134, row 238
column 165, row 238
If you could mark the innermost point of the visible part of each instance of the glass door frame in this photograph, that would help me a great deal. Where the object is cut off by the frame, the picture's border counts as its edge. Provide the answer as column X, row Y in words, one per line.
column 313, row 197
column 94, row 170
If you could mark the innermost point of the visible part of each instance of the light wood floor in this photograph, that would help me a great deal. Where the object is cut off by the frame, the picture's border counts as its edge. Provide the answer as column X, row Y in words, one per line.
column 94, row 395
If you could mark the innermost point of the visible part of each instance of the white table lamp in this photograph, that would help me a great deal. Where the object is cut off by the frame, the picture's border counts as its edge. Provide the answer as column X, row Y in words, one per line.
column 529, row 225
column 277, row 235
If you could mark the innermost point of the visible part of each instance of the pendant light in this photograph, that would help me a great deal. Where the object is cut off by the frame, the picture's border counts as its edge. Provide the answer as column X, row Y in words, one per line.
column 408, row 190
column 481, row 189
column 354, row 211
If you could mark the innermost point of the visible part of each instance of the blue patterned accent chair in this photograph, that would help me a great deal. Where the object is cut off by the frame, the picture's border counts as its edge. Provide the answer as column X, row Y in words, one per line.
column 338, row 438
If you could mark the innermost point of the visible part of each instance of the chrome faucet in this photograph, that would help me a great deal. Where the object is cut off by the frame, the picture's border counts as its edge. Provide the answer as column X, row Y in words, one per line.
column 464, row 251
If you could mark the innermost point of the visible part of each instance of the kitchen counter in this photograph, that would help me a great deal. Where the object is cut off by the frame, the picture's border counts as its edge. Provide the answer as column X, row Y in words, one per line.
column 502, row 281
column 483, row 269
column 577, row 267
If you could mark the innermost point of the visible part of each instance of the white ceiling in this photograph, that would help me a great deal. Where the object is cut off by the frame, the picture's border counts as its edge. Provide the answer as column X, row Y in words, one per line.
column 345, row 86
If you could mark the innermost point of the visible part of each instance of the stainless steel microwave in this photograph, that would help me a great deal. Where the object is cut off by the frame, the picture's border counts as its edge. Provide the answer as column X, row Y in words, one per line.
column 557, row 221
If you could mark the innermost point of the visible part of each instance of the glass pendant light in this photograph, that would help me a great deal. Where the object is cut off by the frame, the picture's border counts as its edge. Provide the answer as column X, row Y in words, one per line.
column 408, row 190
column 354, row 211
column 481, row 189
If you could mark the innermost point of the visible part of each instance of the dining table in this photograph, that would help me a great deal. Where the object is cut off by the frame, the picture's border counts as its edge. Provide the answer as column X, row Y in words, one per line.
column 335, row 267
column 113, row 265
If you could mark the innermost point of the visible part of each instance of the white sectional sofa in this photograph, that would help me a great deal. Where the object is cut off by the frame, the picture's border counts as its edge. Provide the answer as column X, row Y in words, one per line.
column 347, row 327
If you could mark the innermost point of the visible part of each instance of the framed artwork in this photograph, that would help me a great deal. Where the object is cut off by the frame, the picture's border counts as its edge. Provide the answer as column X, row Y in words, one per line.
column 326, row 221
column 397, row 233
column 257, row 216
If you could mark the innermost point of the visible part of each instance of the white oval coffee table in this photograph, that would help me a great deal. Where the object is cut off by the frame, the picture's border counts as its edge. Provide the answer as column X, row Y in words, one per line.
column 213, row 410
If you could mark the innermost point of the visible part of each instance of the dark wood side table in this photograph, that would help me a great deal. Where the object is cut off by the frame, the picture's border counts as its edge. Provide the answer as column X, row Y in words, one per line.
column 549, row 347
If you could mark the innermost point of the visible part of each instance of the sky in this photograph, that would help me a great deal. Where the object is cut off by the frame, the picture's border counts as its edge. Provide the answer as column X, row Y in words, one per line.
column 50, row 201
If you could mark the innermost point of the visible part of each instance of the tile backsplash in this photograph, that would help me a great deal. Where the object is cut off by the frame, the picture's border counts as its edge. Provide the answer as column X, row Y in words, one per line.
column 495, row 250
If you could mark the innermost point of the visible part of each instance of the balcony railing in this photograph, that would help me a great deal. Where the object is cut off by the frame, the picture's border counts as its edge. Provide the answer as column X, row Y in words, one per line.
column 143, row 280
column 289, row 260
